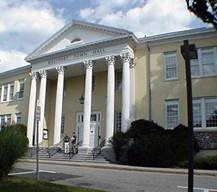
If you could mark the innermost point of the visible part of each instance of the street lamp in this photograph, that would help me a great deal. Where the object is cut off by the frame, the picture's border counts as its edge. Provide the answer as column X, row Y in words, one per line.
column 189, row 52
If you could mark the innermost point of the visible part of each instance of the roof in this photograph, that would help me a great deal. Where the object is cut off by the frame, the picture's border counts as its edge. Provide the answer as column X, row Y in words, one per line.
column 191, row 33
column 16, row 71
column 120, row 32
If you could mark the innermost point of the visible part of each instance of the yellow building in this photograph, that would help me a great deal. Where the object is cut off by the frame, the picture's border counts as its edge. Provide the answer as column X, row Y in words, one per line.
column 93, row 80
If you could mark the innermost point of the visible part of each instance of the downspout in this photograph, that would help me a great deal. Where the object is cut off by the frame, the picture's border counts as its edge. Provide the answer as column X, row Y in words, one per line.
column 148, row 78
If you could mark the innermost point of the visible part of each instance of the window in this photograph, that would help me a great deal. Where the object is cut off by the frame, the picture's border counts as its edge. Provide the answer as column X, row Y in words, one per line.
column 170, row 64
column 205, row 113
column 18, row 118
column 0, row 93
column 118, row 80
column 8, row 119
column 5, row 120
column 21, row 89
column 206, row 64
column 62, row 124
column 11, row 94
column 2, row 121
column 117, row 121
column 172, row 114
column 5, row 92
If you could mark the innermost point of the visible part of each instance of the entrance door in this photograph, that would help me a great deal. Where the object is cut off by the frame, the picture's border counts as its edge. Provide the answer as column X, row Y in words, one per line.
column 94, row 128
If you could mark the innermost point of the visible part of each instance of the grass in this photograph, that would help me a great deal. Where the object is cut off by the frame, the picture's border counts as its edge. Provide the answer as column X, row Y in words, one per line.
column 14, row 184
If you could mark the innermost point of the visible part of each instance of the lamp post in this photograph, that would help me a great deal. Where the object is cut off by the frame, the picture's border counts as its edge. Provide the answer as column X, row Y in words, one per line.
column 189, row 52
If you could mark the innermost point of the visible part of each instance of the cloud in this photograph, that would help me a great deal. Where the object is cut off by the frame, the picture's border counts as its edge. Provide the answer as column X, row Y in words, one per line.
column 26, row 24
column 11, row 59
column 149, row 17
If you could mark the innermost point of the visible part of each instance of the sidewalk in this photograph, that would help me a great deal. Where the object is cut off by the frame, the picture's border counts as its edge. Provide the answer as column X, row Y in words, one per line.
column 123, row 167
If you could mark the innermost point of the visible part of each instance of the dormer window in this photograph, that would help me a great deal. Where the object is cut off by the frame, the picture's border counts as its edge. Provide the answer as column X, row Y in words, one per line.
column 76, row 40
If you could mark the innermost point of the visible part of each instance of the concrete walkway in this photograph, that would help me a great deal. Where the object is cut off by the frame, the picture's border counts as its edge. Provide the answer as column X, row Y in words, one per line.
column 124, row 167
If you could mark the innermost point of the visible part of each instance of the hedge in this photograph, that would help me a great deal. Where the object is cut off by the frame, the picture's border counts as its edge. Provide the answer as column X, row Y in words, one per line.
column 13, row 142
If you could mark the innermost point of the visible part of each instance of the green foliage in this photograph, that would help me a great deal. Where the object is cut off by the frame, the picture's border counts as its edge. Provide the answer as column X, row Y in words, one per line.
column 206, row 162
column 142, row 127
column 14, row 143
column 118, row 141
column 148, row 144
column 204, row 9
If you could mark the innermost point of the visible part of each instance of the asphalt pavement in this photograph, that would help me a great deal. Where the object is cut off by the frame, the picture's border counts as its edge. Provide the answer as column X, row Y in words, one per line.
column 113, row 178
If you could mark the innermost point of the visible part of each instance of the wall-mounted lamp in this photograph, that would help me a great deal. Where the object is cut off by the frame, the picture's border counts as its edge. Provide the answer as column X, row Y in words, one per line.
column 81, row 100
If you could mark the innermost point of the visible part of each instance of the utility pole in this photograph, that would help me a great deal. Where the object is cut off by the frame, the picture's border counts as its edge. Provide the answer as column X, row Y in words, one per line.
column 37, row 118
column 189, row 52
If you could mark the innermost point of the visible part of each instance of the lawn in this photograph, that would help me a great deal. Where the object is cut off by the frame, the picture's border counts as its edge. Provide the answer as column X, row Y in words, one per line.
column 14, row 184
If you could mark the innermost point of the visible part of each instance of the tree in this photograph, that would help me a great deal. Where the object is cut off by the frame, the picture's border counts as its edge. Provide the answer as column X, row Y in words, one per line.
column 204, row 9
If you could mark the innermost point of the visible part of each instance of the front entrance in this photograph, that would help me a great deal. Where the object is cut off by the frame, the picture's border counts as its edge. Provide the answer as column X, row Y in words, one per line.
column 94, row 128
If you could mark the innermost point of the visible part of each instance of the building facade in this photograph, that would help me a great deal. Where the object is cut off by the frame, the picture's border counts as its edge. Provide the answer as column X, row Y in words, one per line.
column 94, row 80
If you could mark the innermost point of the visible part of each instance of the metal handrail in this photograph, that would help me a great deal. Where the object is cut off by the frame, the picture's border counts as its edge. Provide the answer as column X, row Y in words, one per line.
column 52, row 150
column 97, row 150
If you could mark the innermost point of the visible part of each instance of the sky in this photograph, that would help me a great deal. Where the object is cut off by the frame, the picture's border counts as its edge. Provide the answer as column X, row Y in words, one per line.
column 25, row 24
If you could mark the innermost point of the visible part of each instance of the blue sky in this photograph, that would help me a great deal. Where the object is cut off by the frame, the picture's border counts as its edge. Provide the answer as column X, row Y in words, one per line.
column 25, row 24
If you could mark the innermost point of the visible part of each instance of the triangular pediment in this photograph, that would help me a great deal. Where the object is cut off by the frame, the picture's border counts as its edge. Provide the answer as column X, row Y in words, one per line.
column 77, row 34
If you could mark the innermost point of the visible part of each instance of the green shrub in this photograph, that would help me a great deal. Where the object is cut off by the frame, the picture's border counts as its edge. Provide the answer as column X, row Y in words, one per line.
column 118, row 141
column 143, row 127
column 207, row 162
column 13, row 144
column 148, row 144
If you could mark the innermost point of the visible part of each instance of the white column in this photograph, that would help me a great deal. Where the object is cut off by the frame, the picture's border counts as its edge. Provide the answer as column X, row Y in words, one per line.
column 125, row 118
column 31, row 113
column 87, row 103
column 110, row 98
column 132, row 90
column 58, row 106
column 42, row 97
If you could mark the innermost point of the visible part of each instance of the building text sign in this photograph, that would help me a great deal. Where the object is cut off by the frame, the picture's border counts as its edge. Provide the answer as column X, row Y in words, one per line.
column 78, row 55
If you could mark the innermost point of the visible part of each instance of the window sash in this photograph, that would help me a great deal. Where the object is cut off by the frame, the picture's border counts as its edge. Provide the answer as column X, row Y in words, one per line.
column 170, row 62
column 172, row 114
column 207, row 113
column 206, row 64
column 21, row 89
column 11, row 94
column 5, row 93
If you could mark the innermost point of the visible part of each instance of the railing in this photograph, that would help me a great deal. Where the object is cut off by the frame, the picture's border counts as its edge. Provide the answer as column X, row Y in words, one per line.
column 74, row 149
column 52, row 150
column 97, row 150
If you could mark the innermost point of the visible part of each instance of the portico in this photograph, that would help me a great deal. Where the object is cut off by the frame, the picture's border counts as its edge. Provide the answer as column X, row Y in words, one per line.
column 62, row 66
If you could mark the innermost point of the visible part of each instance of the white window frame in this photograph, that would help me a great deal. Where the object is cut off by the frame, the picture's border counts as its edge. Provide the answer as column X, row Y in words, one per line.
column 20, row 116
column 8, row 92
column 167, row 103
column 1, row 92
column 203, row 102
column 5, row 116
column 166, row 55
column 18, row 92
column 200, row 51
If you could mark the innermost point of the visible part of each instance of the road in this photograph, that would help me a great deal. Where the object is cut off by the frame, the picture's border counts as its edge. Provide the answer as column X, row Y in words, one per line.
column 123, row 181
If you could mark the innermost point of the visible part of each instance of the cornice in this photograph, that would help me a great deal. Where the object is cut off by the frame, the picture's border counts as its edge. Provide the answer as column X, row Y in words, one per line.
column 174, row 37
column 68, row 50
column 98, row 27
column 16, row 71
